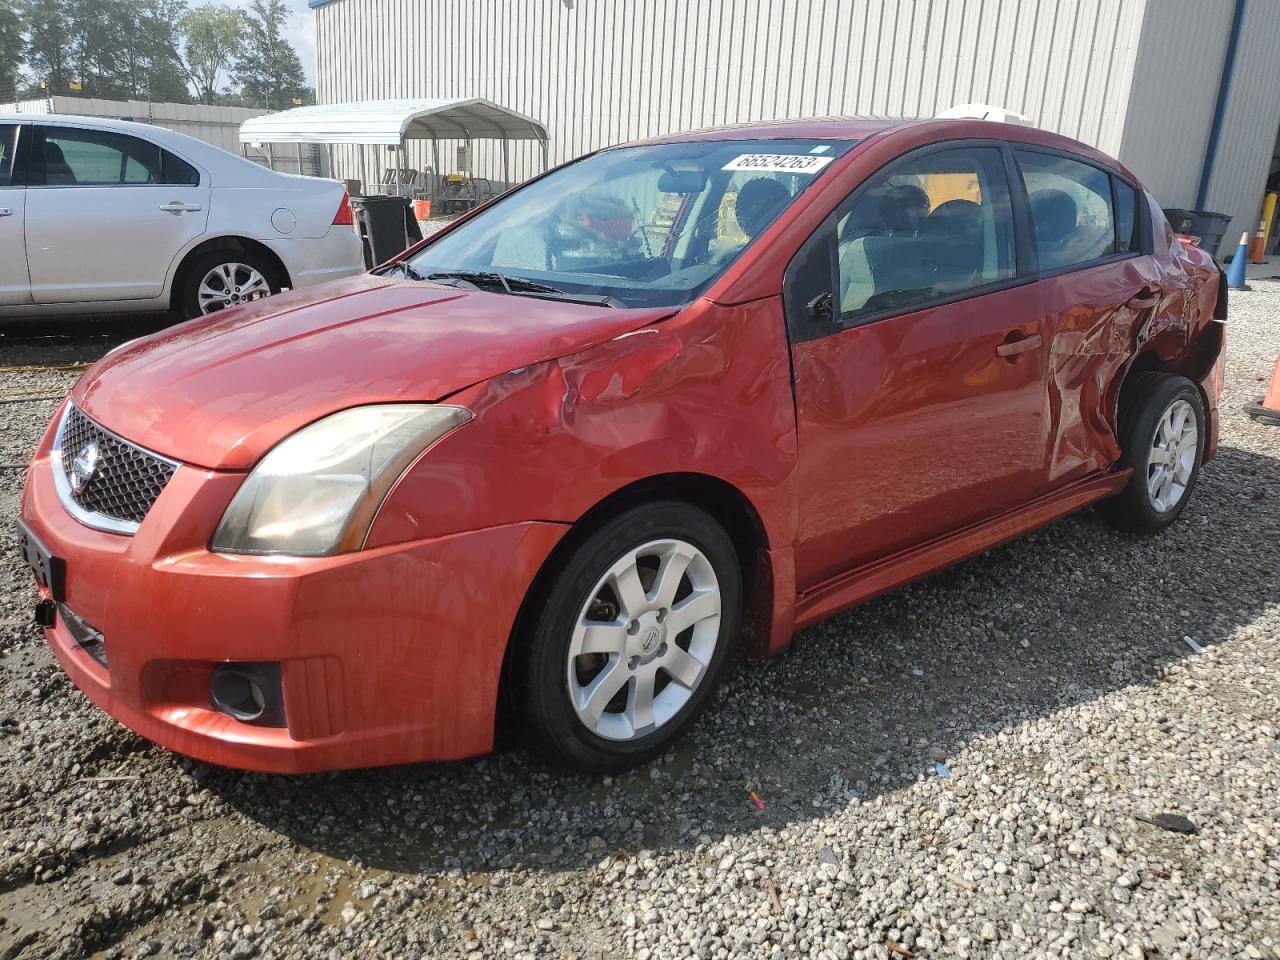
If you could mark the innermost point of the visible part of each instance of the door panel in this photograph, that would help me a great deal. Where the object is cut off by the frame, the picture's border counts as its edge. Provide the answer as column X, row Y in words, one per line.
column 914, row 426
column 921, row 405
column 15, row 285
column 1102, row 290
column 103, row 226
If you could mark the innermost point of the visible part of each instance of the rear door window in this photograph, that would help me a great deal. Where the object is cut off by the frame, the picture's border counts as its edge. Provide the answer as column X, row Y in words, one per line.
column 8, row 152
column 1128, row 237
column 68, row 156
column 1071, row 209
column 177, row 171
column 928, row 228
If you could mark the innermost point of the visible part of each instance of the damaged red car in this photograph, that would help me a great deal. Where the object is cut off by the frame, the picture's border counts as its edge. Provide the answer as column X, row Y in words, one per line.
column 658, row 407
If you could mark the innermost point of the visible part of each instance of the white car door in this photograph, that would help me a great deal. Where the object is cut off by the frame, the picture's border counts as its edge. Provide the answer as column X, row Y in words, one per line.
column 106, row 214
column 15, row 285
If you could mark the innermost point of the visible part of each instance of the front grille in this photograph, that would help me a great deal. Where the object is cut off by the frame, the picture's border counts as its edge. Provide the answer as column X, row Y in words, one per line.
column 118, row 481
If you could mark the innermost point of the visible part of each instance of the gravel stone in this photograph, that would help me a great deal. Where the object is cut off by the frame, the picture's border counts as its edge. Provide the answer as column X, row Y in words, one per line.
column 1049, row 674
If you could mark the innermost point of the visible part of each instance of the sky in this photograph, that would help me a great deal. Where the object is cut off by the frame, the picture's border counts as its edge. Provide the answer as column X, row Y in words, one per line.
column 301, row 32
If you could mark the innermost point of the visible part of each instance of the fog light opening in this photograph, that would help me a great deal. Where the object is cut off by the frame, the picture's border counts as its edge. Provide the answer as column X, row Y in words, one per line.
column 238, row 694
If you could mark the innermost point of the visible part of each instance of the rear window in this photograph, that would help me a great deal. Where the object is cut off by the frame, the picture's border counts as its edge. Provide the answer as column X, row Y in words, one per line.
column 8, row 152
column 177, row 171
column 1127, row 234
column 1071, row 209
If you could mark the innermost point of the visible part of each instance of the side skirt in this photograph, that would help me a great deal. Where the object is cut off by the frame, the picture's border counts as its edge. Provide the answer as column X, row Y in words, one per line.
column 880, row 576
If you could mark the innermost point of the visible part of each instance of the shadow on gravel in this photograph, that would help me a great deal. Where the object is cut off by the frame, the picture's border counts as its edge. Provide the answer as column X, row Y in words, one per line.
column 1062, row 616
column 52, row 341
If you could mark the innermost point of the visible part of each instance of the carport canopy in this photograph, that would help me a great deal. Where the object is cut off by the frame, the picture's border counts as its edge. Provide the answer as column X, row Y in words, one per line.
column 392, row 122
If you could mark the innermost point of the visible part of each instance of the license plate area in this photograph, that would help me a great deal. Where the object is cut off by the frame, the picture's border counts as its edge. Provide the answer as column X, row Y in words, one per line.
column 50, row 571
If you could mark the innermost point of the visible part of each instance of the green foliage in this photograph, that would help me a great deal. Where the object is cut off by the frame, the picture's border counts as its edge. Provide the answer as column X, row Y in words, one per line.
column 211, row 41
column 12, row 48
column 268, row 70
column 150, row 49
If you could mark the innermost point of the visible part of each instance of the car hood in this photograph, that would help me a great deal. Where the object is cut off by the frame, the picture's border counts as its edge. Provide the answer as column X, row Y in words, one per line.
column 220, row 391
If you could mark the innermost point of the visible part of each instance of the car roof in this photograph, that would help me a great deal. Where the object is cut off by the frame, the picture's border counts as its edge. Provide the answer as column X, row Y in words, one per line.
column 819, row 128
column 860, row 128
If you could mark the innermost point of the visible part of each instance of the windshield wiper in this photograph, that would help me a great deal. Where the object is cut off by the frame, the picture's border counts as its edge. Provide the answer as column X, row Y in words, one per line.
column 404, row 267
column 508, row 284
column 519, row 286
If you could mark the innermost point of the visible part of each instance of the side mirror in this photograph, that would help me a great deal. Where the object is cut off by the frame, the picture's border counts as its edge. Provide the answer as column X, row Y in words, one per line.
column 819, row 309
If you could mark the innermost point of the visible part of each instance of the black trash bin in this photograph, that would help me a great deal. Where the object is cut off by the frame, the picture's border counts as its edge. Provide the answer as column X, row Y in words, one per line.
column 386, row 226
column 1208, row 226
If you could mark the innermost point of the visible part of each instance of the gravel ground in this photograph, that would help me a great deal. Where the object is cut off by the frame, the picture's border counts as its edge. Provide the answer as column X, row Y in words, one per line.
column 1051, row 677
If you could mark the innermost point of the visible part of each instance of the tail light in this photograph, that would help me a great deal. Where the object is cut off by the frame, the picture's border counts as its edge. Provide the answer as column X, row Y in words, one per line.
column 343, row 217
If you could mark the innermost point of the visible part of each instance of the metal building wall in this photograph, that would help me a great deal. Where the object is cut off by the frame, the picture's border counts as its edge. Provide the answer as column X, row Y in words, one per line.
column 1174, row 96
column 603, row 71
column 1249, row 124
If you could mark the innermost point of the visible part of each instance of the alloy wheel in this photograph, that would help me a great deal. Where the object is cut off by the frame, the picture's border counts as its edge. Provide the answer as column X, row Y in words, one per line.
column 230, row 284
column 1173, row 456
column 644, row 639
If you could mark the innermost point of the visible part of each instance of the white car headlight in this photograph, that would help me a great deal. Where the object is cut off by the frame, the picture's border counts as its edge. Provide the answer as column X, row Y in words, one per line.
column 316, row 492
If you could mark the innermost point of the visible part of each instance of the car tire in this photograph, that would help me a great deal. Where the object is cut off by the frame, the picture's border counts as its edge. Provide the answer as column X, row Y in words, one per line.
column 592, row 622
column 1161, row 431
column 244, row 274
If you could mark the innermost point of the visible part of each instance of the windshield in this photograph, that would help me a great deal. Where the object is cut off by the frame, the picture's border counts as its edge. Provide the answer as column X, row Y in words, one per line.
column 638, row 226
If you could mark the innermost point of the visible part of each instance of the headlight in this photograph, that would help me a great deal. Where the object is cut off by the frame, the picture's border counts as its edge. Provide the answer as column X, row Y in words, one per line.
column 317, row 491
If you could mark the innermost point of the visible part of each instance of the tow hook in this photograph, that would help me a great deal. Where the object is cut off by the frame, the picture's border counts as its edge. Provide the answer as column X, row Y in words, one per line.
column 46, row 613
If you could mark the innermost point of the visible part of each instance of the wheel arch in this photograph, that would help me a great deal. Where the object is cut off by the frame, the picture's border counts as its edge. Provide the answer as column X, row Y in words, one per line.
column 227, row 242
column 721, row 500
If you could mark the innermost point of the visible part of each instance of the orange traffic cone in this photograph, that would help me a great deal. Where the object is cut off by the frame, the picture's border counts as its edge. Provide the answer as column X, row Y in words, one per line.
column 1267, row 409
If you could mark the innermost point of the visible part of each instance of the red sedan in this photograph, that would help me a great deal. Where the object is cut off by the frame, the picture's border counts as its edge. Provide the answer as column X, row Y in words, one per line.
column 660, row 406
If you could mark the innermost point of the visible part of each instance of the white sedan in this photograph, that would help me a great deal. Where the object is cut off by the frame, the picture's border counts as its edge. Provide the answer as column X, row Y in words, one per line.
column 101, row 216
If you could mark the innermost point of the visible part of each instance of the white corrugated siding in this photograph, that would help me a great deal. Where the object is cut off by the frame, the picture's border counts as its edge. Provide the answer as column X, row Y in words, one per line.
column 598, row 72
column 217, row 125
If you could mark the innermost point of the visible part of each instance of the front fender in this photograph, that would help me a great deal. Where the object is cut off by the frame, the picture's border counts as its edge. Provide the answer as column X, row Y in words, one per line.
column 707, row 391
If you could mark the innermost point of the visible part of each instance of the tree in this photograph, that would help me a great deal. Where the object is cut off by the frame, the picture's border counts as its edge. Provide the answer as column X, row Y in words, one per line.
column 12, row 50
column 268, row 70
column 151, row 65
column 211, row 44
column 48, row 39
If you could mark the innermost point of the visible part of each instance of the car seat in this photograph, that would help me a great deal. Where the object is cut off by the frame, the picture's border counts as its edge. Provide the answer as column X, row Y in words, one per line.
column 954, row 230
column 1054, row 215
column 57, row 172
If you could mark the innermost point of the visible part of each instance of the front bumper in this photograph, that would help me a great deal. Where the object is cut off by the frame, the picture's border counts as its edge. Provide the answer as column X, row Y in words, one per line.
column 389, row 655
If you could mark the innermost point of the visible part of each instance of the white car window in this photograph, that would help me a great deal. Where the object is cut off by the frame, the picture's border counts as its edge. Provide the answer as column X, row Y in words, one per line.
column 70, row 156
column 8, row 152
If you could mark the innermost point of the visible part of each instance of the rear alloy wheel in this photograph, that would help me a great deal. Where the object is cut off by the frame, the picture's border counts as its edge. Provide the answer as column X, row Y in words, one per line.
column 1161, row 433
column 1172, row 458
column 225, row 279
column 632, row 639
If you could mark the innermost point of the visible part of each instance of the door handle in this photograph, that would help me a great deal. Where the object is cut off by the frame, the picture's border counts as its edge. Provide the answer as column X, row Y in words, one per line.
column 6, row 211
column 177, row 206
column 1011, row 348
column 1146, row 298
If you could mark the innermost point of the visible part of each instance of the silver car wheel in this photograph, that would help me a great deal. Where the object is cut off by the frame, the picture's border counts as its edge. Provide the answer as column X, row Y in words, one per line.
column 231, row 284
column 644, row 639
column 1173, row 456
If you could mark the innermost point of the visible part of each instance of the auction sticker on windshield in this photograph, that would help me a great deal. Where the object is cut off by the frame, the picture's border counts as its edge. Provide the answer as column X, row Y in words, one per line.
column 777, row 163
